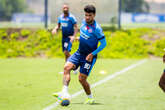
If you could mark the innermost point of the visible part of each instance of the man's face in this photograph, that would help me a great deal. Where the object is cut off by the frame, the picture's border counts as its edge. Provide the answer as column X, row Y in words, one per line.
column 89, row 17
column 65, row 9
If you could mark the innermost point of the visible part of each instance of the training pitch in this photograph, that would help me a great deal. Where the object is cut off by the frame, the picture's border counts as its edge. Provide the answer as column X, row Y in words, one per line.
column 27, row 84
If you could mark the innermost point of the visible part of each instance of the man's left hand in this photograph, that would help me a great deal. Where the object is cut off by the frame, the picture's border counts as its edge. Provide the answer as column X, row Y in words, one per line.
column 72, row 38
column 89, row 57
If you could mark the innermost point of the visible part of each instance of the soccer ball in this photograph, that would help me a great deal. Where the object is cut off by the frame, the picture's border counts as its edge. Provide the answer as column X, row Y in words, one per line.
column 65, row 102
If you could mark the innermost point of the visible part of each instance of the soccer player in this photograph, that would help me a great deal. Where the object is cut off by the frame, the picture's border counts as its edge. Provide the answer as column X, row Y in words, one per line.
column 162, row 79
column 86, row 55
column 69, row 29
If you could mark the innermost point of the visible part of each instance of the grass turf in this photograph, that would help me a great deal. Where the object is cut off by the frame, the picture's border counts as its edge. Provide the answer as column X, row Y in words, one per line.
column 27, row 84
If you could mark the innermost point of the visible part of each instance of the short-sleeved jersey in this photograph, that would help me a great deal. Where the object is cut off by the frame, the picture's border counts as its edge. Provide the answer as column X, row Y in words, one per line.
column 89, row 37
column 67, row 24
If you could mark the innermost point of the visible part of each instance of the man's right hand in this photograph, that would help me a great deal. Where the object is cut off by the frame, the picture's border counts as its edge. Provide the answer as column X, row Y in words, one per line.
column 77, row 38
column 72, row 38
column 54, row 31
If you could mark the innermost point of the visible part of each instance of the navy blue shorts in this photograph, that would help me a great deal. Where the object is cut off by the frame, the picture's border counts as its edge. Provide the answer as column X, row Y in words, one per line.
column 66, row 45
column 80, row 60
column 164, row 70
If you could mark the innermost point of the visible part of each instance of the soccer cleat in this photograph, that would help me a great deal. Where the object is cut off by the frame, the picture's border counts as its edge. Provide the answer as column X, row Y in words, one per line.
column 62, row 95
column 56, row 94
column 90, row 101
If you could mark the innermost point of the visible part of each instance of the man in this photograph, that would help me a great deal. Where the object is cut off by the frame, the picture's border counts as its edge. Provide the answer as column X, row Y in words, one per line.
column 162, row 79
column 85, row 57
column 69, row 29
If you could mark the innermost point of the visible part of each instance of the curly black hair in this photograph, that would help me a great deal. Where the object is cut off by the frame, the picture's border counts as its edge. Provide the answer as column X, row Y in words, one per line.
column 90, row 9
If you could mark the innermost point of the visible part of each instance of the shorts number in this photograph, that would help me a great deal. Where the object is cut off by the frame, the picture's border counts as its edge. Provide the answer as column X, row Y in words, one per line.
column 65, row 44
column 87, row 66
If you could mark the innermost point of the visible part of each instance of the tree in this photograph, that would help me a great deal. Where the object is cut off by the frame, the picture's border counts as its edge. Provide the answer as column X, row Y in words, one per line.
column 8, row 7
column 135, row 6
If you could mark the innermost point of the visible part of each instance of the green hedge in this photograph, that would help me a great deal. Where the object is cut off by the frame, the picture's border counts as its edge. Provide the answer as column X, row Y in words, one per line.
column 133, row 43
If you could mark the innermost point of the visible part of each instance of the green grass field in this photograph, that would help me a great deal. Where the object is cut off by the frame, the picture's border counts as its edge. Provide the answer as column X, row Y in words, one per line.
column 27, row 84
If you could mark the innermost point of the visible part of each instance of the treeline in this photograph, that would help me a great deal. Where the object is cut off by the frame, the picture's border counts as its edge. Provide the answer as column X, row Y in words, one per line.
column 8, row 7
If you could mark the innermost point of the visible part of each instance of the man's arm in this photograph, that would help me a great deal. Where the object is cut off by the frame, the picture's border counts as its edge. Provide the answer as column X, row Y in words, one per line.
column 101, row 47
column 164, row 56
column 72, row 38
column 54, row 31
column 75, row 29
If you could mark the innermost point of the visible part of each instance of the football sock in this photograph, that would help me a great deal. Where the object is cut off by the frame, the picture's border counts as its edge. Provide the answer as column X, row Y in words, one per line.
column 90, row 96
column 65, row 89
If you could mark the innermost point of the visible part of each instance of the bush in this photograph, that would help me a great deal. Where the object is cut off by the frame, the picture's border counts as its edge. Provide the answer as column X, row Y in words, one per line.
column 158, row 47
column 3, row 34
column 120, row 44
column 124, row 45
column 14, row 35
column 25, row 33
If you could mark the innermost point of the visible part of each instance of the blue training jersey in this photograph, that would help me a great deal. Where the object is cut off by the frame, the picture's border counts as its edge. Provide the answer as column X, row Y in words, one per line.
column 89, row 37
column 67, row 24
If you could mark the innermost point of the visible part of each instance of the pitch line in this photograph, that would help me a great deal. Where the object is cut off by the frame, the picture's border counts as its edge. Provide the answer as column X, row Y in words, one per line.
column 54, row 105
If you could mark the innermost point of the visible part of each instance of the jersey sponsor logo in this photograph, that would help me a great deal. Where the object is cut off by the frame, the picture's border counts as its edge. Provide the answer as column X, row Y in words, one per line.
column 65, row 19
column 90, row 30
column 64, row 24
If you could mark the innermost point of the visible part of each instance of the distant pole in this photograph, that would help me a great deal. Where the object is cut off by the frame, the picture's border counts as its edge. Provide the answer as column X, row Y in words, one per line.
column 46, row 14
column 119, row 14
